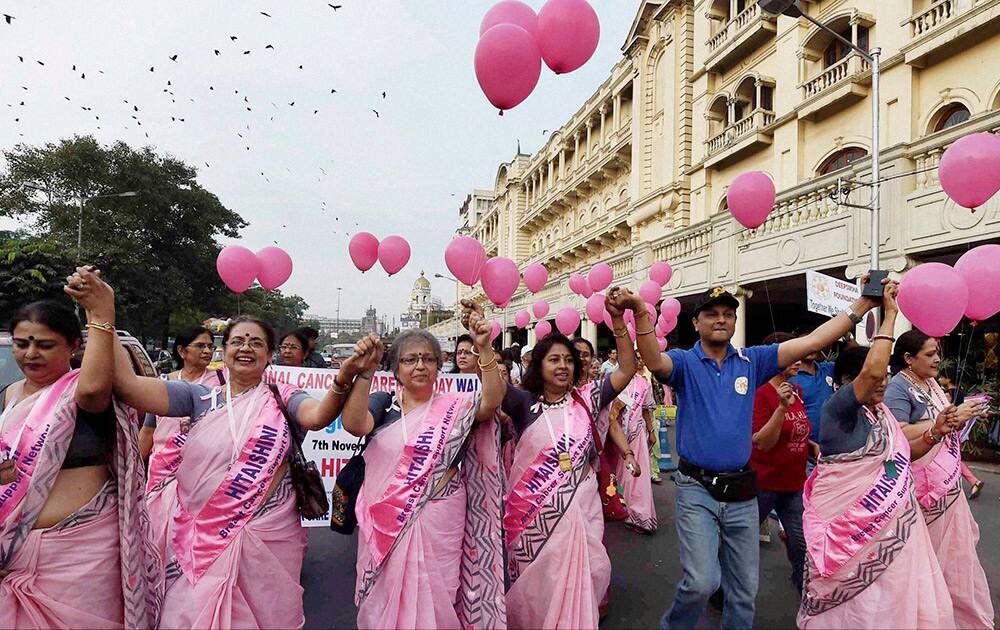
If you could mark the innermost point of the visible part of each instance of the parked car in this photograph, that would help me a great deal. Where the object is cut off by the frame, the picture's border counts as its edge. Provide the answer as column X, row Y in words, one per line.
column 217, row 360
column 339, row 353
column 164, row 362
column 10, row 373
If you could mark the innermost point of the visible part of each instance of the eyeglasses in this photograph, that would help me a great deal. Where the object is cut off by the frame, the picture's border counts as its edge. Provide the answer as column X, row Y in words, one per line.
column 289, row 348
column 255, row 343
column 410, row 361
column 200, row 346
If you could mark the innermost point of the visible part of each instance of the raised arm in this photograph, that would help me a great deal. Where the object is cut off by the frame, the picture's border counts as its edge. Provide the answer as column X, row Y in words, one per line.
column 618, row 300
column 767, row 436
column 318, row 414
column 795, row 349
column 494, row 388
column 656, row 362
column 144, row 393
column 874, row 371
column 93, row 390
column 358, row 421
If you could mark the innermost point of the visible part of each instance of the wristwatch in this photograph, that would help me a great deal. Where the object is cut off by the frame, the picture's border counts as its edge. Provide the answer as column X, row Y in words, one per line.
column 855, row 318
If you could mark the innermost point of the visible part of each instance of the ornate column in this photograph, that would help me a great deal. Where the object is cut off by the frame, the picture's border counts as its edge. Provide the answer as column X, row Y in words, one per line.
column 603, row 109
column 590, row 127
column 589, row 330
column 576, row 149
column 742, row 294
column 616, row 111
column 562, row 163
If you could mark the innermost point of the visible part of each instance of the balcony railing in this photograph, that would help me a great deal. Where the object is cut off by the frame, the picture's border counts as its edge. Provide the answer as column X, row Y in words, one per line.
column 938, row 13
column 850, row 66
column 733, row 27
column 692, row 242
column 756, row 121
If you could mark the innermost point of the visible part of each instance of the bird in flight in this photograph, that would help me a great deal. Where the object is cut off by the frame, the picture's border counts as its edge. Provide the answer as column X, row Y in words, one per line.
column 265, row 14
column 376, row 113
column 217, row 53
column 8, row 18
column 332, row 6
column 173, row 58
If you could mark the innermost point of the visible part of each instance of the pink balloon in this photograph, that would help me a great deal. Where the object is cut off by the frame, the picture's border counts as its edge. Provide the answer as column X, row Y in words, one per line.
column 650, row 291
column 522, row 318
column 238, row 267
column 629, row 317
column 586, row 291
column 670, row 308
column 751, row 198
column 275, row 267
column 508, row 65
column 595, row 308
column 542, row 330
column 567, row 320
column 980, row 267
column 666, row 325
column 364, row 250
column 500, row 280
column 662, row 343
column 540, row 308
column 607, row 320
column 465, row 259
column 510, row 12
column 576, row 283
column 393, row 253
column 600, row 277
column 494, row 330
column 970, row 169
column 568, row 33
column 661, row 272
column 933, row 296
column 535, row 277
column 652, row 311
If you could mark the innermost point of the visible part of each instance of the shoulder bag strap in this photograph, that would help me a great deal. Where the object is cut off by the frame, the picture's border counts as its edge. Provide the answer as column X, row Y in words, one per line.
column 598, row 444
column 222, row 378
column 294, row 449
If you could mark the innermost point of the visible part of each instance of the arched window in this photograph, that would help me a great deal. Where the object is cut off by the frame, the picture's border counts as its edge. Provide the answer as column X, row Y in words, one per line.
column 837, row 50
column 841, row 159
column 954, row 114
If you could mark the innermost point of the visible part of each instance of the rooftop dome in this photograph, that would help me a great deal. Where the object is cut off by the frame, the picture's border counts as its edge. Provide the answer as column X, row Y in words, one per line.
column 422, row 282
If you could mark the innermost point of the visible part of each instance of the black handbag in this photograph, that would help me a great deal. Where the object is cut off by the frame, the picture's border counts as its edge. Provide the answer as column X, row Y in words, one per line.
column 344, row 499
column 310, row 494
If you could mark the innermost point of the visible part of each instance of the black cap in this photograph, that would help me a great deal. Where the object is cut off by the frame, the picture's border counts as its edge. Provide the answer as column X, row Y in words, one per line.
column 718, row 295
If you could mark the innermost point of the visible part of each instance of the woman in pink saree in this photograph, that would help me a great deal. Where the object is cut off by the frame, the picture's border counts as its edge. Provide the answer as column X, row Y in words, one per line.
column 74, row 535
column 161, row 438
column 558, row 566
column 633, row 410
column 917, row 401
column 235, row 539
column 869, row 561
column 429, row 545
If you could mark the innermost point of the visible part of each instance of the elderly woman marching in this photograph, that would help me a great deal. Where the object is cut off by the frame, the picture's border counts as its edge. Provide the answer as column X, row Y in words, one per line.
column 559, row 569
column 429, row 550
column 869, row 561
column 236, row 543
column 917, row 400
column 74, row 536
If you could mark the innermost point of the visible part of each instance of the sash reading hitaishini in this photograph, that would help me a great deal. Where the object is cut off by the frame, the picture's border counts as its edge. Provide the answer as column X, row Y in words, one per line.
column 199, row 539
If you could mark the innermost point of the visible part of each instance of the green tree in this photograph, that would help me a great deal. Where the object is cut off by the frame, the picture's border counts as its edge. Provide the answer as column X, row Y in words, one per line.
column 284, row 312
column 30, row 270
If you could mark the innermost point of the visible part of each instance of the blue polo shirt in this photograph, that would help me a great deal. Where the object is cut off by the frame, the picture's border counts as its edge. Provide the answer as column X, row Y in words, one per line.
column 816, row 390
column 715, row 406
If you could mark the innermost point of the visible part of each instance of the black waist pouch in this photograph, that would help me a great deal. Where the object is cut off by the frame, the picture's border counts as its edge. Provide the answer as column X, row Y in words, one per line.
column 728, row 487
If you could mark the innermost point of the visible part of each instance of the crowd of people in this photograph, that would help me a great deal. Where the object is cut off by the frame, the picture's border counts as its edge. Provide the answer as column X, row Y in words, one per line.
column 137, row 502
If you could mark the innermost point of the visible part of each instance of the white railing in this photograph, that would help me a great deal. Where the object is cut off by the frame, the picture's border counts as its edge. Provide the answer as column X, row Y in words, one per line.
column 716, row 41
column 938, row 13
column 756, row 121
column 689, row 243
column 733, row 27
column 810, row 206
column 847, row 67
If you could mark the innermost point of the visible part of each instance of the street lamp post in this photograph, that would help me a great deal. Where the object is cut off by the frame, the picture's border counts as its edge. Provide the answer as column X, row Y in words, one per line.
column 339, row 289
column 82, row 201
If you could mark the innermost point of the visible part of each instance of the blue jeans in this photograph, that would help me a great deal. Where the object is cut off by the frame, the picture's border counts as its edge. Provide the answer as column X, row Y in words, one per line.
column 702, row 524
column 788, row 505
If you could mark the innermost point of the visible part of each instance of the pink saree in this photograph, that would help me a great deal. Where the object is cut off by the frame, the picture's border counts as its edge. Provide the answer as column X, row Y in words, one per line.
column 48, row 568
column 638, row 491
column 558, row 566
column 953, row 530
column 236, row 554
column 431, row 556
column 869, row 563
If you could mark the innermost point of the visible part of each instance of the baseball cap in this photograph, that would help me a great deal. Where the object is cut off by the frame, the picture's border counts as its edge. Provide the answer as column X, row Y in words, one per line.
column 716, row 295
column 526, row 349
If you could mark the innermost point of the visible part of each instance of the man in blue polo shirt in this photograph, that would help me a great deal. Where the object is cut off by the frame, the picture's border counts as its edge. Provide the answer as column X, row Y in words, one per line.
column 815, row 377
column 714, row 385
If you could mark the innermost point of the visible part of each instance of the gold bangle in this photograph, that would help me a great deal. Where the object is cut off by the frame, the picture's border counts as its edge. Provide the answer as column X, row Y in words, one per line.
column 107, row 327
column 645, row 332
column 488, row 366
column 489, row 369
column 340, row 390
column 620, row 334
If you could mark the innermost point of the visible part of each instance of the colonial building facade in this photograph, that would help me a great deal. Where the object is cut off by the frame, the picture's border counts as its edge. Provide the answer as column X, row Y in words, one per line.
column 709, row 89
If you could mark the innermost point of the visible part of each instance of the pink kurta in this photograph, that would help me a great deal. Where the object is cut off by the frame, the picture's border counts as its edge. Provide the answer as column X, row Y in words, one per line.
column 638, row 491
column 254, row 582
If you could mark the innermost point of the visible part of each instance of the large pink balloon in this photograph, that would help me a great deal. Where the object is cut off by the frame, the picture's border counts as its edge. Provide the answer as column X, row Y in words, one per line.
column 465, row 259
column 500, row 280
column 595, row 308
column 364, row 250
column 275, row 267
column 650, row 291
column 542, row 330
column 933, row 296
column 980, row 267
column 671, row 307
column 535, row 277
column 510, row 12
column 751, row 198
column 567, row 320
column 666, row 325
column 585, row 290
column 576, row 282
column 494, row 330
column 661, row 272
column 508, row 65
column 568, row 33
column 238, row 267
column 652, row 311
column 540, row 308
column 600, row 277
column 522, row 318
column 970, row 169
column 393, row 253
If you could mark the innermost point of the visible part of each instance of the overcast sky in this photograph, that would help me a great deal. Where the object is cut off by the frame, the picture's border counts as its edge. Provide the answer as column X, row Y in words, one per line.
column 404, row 172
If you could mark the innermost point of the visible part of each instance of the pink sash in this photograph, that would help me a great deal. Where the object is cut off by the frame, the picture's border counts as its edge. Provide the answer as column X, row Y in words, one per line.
column 199, row 539
column 934, row 479
column 832, row 544
column 390, row 513
column 540, row 481
column 639, row 386
column 32, row 440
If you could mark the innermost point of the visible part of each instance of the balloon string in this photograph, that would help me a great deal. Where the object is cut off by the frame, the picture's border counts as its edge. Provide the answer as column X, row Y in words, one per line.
column 965, row 359
column 767, row 292
column 238, row 305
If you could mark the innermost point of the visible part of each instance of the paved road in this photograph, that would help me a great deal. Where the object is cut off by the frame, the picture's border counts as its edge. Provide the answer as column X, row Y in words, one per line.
column 645, row 571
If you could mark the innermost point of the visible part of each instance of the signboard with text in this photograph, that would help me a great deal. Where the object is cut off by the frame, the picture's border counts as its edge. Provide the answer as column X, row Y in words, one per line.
column 827, row 295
